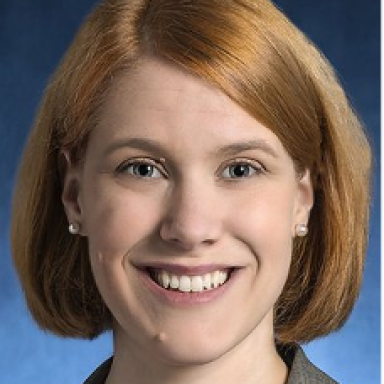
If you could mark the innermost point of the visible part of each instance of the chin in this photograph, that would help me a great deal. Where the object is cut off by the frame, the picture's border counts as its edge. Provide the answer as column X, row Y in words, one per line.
column 191, row 355
column 179, row 350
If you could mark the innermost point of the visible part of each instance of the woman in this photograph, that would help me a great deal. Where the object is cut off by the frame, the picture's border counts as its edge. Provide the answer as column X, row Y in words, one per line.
column 199, row 186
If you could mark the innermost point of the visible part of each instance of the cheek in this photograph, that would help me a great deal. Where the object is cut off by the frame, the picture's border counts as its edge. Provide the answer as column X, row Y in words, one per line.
column 116, row 222
column 266, row 231
column 265, row 223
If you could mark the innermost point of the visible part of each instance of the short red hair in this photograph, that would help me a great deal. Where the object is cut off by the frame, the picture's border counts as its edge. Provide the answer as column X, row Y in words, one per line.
column 250, row 51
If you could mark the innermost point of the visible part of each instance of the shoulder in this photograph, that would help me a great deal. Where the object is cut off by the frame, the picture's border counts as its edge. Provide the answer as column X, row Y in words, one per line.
column 100, row 375
column 302, row 371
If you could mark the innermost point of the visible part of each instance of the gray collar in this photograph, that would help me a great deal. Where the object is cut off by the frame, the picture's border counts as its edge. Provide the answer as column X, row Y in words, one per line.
column 302, row 371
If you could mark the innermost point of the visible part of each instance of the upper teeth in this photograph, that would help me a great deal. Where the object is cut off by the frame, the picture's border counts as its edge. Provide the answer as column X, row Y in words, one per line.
column 190, row 283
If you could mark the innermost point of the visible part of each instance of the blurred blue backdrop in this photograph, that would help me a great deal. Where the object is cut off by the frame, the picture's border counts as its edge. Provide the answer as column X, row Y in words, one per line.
column 33, row 37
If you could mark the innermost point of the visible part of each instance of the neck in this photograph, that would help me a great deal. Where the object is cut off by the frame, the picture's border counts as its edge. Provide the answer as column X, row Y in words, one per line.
column 254, row 360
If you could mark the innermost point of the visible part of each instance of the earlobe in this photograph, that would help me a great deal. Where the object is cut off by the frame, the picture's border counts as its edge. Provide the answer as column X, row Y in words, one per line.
column 70, row 194
column 304, row 203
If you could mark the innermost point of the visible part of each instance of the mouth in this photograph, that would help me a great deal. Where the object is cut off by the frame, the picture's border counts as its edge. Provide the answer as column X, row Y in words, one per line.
column 195, row 283
column 185, row 286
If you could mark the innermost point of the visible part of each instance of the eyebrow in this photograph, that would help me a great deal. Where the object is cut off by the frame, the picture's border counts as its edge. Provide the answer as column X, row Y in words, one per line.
column 136, row 143
column 227, row 150
column 235, row 148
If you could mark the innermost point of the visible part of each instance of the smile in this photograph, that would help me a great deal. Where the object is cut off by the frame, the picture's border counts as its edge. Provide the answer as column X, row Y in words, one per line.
column 184, row 286
column 184, row 283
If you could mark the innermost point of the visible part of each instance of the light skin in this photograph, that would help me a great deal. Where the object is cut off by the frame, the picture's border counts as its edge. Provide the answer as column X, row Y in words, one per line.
column 178, row 177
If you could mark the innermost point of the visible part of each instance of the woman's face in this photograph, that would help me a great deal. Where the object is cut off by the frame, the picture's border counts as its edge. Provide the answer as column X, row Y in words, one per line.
column 189, row 206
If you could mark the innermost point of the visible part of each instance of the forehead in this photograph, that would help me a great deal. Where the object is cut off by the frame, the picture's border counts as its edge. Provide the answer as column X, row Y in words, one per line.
column 156, row 84
column 161, row 101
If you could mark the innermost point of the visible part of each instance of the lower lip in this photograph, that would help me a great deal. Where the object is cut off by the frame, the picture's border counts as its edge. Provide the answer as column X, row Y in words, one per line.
column 178, row 298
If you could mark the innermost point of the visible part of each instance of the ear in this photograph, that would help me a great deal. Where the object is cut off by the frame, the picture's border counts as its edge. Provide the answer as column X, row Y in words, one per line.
column 71, row 189
column 304, row 201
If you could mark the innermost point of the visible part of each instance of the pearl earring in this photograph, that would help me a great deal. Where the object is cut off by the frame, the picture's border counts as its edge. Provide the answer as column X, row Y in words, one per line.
column 301, row 230
column 74, row 228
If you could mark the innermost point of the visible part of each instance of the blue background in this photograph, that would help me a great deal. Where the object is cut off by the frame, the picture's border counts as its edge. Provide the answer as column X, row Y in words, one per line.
column 33, row 37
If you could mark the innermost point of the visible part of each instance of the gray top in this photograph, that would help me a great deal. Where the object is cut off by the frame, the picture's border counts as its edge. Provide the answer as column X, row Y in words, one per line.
column 301, row 370
column 304, row 372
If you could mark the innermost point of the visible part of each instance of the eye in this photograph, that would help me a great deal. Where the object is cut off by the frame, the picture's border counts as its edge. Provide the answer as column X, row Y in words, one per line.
column 242, row 169
column 140, row 168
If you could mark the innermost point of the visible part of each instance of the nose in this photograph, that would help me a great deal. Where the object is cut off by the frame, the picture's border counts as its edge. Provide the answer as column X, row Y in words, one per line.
column 192, row 219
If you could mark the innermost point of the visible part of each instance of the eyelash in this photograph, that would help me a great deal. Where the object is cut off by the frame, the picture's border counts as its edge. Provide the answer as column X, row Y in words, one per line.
column 258, row 169
column 155, row 164
column 254, row 168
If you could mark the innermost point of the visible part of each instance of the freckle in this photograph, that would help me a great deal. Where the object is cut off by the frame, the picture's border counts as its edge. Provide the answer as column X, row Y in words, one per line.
column 161, row 337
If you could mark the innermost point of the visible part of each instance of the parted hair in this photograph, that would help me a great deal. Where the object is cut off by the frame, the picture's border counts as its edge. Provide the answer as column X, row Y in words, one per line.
column 250, row 51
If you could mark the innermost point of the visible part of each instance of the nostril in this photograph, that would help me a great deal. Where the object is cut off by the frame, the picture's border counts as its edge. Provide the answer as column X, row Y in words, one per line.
column 187, row 236
column 192, row 218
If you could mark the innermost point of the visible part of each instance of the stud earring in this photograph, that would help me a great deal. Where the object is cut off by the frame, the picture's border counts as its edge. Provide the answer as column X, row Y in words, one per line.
column 301, row 230
column 74, row 228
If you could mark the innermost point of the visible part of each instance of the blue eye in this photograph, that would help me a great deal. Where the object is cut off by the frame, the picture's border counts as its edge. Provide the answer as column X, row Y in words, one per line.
column 140, row 169
column 241, row 170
